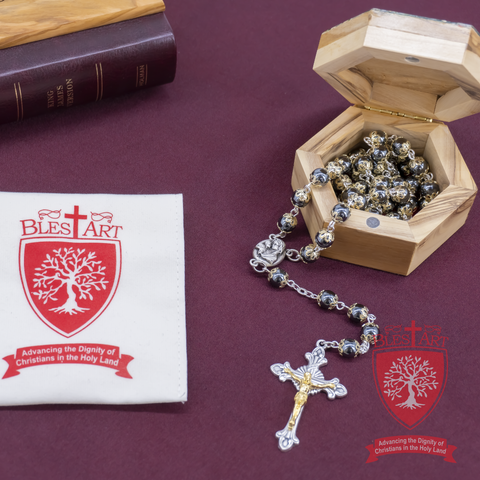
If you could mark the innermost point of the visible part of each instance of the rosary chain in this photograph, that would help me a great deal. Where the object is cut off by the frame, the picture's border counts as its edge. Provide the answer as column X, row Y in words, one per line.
column 327, row 344
column 341, row 306
column 258, row 266
column 301, row 290
column 270, row 253
column 261, row 267
column 293, row 255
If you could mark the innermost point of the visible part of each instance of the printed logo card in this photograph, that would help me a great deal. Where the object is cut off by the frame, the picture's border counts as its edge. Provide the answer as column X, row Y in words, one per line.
column 92, row 302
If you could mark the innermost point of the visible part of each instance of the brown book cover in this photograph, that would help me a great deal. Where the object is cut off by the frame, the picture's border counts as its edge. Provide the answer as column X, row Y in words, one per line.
column 86, row 66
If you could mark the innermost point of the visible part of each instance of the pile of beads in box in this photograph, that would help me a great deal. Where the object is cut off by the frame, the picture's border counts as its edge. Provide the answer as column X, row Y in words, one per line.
column 387, row 179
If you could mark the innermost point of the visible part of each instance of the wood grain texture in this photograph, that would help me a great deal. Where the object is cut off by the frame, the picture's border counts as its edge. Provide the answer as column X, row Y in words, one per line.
column 401, row 22
column 406, row 76
column 25, row 21
column 405, row 63
column 394, row 246
column 451, row 201
column 454, row 103
column 344, row 29
column 393, row 98
column 446, row 160
column 339, row 135
column 442, row 220
column 369, row 61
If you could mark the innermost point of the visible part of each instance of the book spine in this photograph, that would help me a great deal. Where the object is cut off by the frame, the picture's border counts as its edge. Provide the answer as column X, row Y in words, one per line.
column 86, row 66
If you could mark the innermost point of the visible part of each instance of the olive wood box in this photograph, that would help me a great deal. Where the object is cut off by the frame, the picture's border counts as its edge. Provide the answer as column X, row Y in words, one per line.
column 405, row 75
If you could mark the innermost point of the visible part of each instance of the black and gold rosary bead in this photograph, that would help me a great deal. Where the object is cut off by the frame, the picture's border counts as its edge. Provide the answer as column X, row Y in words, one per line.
column 349, row 347
column 405, row 211
column 309, row 253
column 287, row 223
column 358, row 313
column 381, row 168
column 369, row 332
column 380, row 153
column 387, row 207
column 390, row 162
column 363, row 164
column 400, row 148
column 319, row 177
column 334, row 169
column 277, row 277
column 345, row 162
column 342, row 182
column 324, row 238
column 418, row 166
column 340, row 213
column 412, row 184
column 301, row 197
column 327, row 299
column 372, row 208
column 429, row 190
column 380, row 180
column 398, row 181
column 345, row 195
column 379, row 195
column 357, row 201
column 361, row 186
column 404, row 169
column 400, row 194
column 377, row 138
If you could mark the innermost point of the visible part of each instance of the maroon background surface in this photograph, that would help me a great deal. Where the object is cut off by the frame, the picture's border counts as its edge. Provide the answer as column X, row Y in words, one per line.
column 224, row 134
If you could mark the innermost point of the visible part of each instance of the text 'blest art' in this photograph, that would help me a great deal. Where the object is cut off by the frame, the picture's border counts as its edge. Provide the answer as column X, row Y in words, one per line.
column 70, row 271
column 92, row 267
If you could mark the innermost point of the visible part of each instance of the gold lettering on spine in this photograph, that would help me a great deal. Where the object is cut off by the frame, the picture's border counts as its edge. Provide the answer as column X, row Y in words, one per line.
column 99, row 70
column 19, row 99
column 50, row 99
column 142, row 76
column 69, row 87
column 60, row 96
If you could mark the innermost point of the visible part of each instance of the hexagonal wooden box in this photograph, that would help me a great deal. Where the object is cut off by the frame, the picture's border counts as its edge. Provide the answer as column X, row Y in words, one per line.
column 396, row 69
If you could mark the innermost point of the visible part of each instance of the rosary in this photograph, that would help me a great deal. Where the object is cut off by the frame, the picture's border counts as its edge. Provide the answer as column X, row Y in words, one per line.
column 386, row 179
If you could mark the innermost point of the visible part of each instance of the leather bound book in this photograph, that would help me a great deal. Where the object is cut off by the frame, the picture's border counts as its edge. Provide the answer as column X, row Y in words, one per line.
column 86, row 66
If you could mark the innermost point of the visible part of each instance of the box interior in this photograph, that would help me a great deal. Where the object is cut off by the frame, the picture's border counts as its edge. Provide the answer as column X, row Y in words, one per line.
column 420, row 139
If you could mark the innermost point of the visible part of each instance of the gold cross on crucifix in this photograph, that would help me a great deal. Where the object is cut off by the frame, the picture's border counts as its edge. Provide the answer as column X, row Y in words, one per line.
column 308, row 380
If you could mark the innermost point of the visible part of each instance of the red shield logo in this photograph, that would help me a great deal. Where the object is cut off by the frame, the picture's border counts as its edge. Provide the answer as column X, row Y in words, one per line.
column 410, row 381
column 69, row 282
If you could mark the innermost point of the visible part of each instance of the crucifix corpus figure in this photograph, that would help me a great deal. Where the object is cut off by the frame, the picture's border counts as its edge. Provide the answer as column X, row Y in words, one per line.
column 308, row 380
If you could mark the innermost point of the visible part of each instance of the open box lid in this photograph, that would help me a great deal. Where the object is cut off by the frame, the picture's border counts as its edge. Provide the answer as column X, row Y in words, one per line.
column 404, row 63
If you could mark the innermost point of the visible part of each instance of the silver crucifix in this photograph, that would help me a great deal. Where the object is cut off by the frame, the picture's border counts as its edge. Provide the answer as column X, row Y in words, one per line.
column 308, row 380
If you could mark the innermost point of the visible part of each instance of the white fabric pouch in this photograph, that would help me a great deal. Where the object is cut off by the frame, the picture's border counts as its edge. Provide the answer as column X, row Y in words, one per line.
column 92, row 302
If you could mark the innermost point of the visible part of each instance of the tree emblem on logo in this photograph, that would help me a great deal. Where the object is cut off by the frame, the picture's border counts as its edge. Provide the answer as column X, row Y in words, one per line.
column 413, row 373
column 76, row 270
